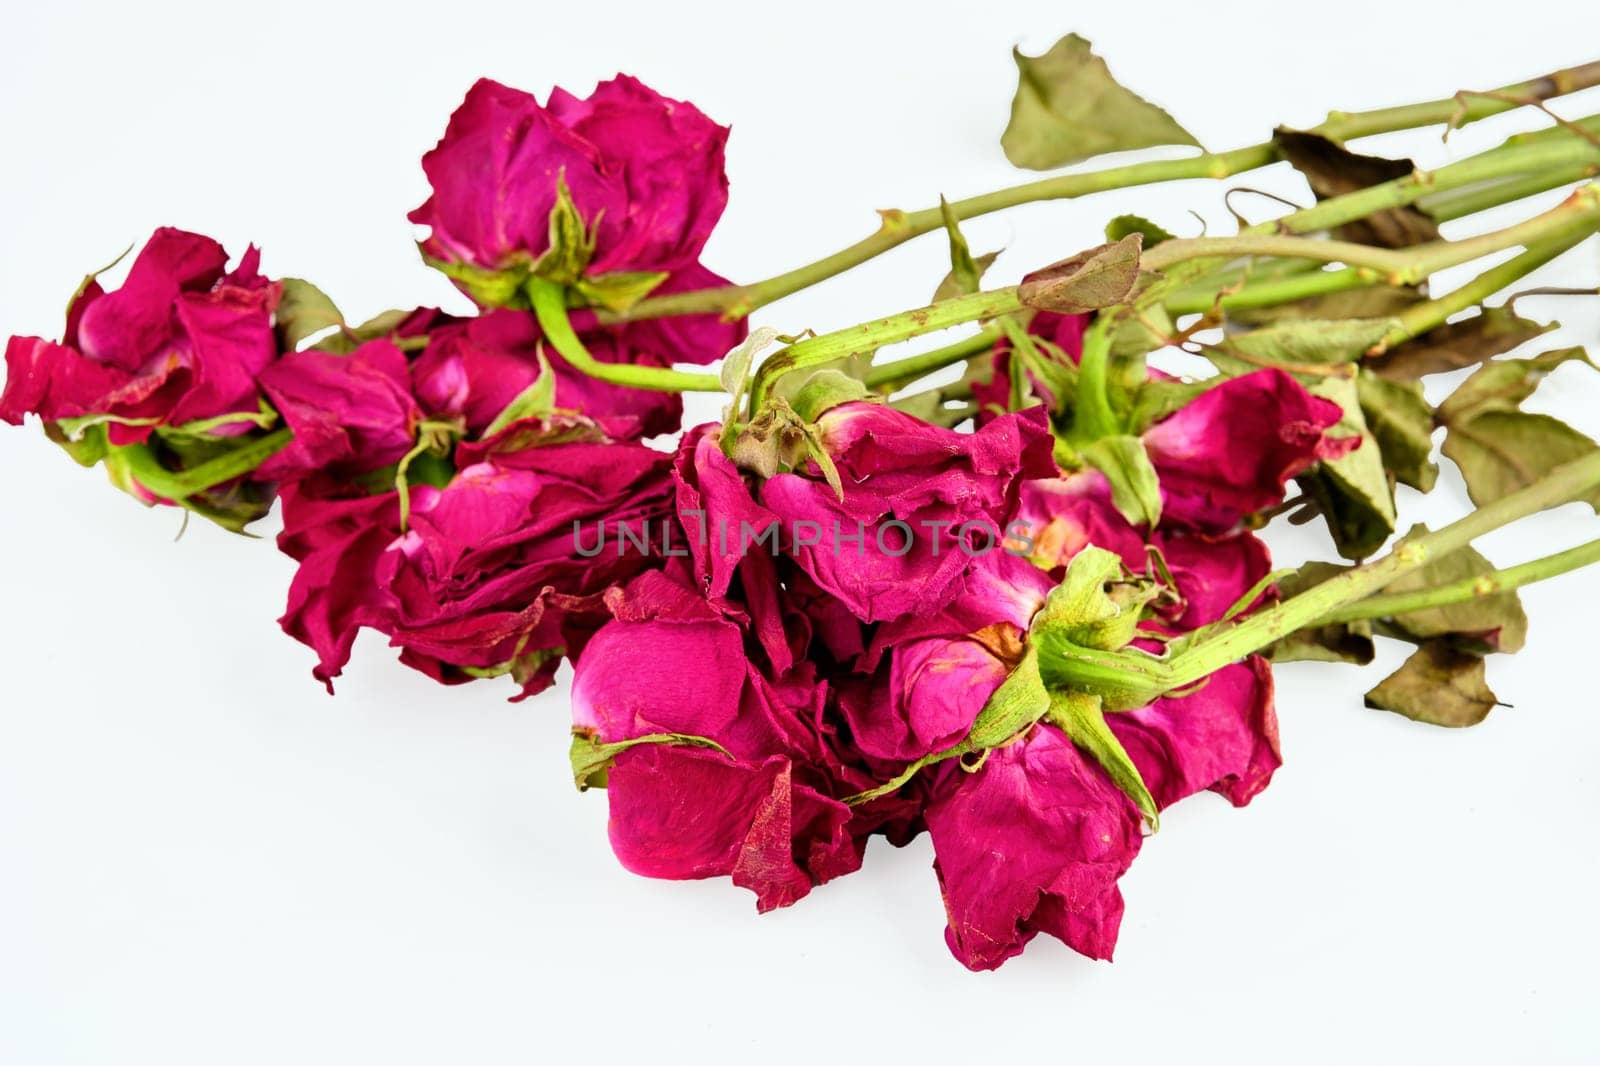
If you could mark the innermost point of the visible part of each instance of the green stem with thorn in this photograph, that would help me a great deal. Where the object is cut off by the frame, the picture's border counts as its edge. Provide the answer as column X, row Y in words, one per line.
column 1472, row 588
column 899, row 226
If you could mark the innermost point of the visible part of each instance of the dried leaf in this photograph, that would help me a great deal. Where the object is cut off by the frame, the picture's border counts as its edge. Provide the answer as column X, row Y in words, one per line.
column 303, row 312
column 1494, row 331
column 1437, row 685
column 1068, row 108
column 1499, row 448
column 1099, row 277
column 1503, row 384
column 1308, row 342
column 1500, row 452
column 1332, row 170
column 1495, row 622
column 1401, row 421
column 1352, row 491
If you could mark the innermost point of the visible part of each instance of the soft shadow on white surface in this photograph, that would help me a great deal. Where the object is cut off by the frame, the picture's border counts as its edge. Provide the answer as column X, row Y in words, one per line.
column 203, row 858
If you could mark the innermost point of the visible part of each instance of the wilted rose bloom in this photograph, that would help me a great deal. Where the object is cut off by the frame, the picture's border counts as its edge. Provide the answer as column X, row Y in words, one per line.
column 180, row 341
column 922, row 503
column 646, row 170
column 472, row 368
column 1035, row 840
column 500, row 570
column 760, row 809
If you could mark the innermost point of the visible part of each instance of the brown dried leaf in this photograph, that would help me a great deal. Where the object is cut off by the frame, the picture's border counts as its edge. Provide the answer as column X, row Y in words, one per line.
column 1437, row 685
column 1469, row 342
column 1092, row 279
column 1333, row 170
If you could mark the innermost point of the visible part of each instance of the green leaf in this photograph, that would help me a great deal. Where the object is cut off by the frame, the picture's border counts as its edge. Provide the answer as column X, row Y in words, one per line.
column 1125, row 225
column 1333, row 170
column 591, row 759
column 620, row 289
column 1095, row 278
column 1401, row 421
column 1495, row 622
column 1082, row 718
column 1135, row 491
column 1353, row 491
column 1068, row 108
column 303, row 312
column 1500, row 452
column 538, row 400
column 1340, row 642
column 1493, row 331
column 1437, row 685
column 86, row 447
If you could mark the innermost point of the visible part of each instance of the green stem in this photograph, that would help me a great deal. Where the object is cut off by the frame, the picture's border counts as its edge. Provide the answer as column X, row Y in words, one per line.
column 1200, row 299
column 1452, row 204
column 1562, row 485
column 1402, row 266
column 899, row 226
column 1420, row 318
column 892, row 375
column 550, row 307
column 870, row 336
column 1472, row 588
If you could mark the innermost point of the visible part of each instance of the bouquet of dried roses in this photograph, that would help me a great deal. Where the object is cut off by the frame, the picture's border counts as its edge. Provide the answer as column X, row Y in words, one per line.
column 1007, row 591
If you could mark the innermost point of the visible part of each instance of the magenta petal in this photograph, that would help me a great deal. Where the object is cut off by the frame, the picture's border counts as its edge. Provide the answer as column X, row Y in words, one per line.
column 128, row 326
column 1032, row 842
column 352, row 411
column 682, row 813
column 1224, row 737
column 1229, row 452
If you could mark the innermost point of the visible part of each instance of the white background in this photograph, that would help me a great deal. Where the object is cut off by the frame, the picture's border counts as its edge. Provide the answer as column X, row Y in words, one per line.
column 204, row 859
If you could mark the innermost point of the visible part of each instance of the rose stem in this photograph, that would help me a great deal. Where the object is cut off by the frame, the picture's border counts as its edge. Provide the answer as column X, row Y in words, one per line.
column 1471, row 588
column 1399, row 266
column 1562, row 485
column 550, row 307
column 899, row 226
